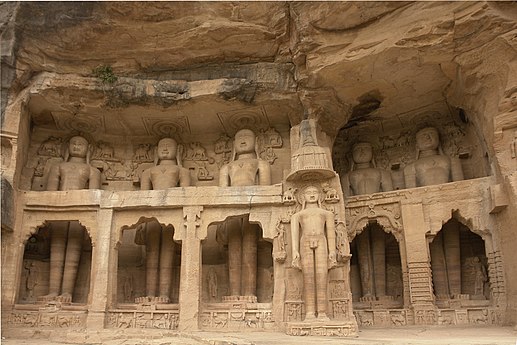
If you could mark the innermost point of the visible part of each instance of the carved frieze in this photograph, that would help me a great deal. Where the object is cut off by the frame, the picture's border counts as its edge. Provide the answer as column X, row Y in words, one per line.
column 58, row 319
column 388, row 215
column 237, row 319
column 141, row 319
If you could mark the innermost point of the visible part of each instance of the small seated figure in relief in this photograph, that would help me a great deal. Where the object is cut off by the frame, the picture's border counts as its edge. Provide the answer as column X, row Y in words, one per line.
column 167, row 172
column 314, row 244
column 431, row 166
column 245, row 169
column 158, row 240
column 364, row 177
column 66, row 238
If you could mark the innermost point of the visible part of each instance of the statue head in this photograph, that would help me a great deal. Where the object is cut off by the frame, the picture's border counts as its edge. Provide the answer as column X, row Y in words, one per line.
column 78, row 147
column 167, row 150
column 427, row 139
column 244, row 142
column 362, row 153
column 311, row 195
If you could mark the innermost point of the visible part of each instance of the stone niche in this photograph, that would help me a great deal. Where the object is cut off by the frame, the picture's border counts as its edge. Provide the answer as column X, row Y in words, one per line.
column 394, row 144
column 56, row 266
column 460, row 267
column 237, row 279
column 149, row 262
column 376, row 269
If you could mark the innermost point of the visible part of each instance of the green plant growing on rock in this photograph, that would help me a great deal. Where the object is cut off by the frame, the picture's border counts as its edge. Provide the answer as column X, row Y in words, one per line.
column 105, row 74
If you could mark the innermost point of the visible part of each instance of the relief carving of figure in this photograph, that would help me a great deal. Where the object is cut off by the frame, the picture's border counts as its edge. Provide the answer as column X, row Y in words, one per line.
column 314, row 245
column 245, row 169
column 67, row 237
column 431, row 166
column 364, row 177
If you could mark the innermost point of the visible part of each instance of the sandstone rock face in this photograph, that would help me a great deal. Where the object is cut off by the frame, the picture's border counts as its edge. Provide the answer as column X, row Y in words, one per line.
column 422, row 249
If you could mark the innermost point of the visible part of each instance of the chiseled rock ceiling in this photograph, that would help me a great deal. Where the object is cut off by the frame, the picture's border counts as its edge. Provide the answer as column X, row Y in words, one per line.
column 338, row 61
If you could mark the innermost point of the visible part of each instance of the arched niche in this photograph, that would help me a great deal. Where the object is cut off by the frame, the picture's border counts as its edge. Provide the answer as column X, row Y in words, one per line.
column 459, row 264
column 376, row 268
column 148, row 264
column 254, row 272
column 56, row 264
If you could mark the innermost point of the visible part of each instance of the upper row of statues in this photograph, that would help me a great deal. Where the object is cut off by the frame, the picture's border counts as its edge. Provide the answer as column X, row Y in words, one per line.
column 246, row 168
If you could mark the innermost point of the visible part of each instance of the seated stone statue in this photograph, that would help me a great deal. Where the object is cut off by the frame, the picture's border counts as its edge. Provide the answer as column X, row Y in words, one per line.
column 431, row 165
column 364, row 177
column 245, row 169
column 316, row 249
column 158, row 240
column 66, row 238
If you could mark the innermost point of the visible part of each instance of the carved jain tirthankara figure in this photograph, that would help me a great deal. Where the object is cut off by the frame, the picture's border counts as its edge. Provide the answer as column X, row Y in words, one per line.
column 158, row 240
column 431, row 166
column 67, row 237
column 245, row 169
column 364, row 177
column 316, row 249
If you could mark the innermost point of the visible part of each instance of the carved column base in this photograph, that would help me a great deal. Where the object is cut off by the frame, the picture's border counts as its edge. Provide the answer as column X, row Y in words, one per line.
column 323, row 328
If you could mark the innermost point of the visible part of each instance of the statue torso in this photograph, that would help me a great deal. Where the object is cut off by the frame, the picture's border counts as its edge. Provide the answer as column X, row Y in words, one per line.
column 365, row 181
column 432, row 170
column 312, row 221
column 165, row 176
column 74, row 175
column 243, row 172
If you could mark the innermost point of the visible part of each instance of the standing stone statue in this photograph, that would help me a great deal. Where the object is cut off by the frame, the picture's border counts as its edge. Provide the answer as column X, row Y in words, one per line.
column 364, row 177
column 67, row 237
column 245, row 169
column 431, row 166
column 316, row 249
column 158, row 240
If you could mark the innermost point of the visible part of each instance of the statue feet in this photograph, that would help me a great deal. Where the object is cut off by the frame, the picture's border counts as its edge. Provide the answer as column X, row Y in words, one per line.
column 323, row 317
column 48, row 298
column 367, row 298
column 162, row 299
column 64, row 298
column 236, row 298
column 310, row 317
column 152, row 300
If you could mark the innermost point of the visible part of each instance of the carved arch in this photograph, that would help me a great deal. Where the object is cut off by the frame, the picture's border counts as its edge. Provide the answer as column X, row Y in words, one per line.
column 388, row 216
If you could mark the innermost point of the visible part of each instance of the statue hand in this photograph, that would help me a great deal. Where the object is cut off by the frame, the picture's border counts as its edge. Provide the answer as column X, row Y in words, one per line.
column 332, row 259
column 296, row 260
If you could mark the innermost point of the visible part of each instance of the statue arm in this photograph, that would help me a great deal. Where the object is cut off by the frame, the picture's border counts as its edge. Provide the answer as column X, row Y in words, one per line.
column 331, row 236
column 264, row 172
column 386, row 182
column 224, row 176
column 95, row 179
column 295, row 237
column 53, row 178
column 410, row 176
column 345, row 184
column 145, row 180
column 456, row 170
column 184, row 177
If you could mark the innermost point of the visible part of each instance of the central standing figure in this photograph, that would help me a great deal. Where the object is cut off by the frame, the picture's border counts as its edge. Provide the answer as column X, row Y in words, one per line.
column 316, row 249
column 245, row 169
column 158, row 240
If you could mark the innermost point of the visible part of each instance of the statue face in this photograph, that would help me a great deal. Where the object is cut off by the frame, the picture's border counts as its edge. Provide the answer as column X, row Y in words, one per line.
column 427, row 139
column 244, row 141
column 311, row 194
column 78, row 147
column 362, row 153
column 167, row 149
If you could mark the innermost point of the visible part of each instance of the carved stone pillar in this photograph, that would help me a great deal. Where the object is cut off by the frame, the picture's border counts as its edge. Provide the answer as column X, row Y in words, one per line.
column 419, row 270
column 190, row 278
column 100, row 270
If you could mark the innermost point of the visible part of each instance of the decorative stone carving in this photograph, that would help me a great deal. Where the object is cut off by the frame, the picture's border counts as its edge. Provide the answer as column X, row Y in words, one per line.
column 223, row 150
column 388, row 215
column 279, row 243
column 103, row 151
column 143, row 153
column 237, row 319
column 153, row 319
column 212, row 284
column 315, row 246
column 364, row 178
column 431, row 165
column 196, row 154
column 51, row 147
column 268, row 140
column 288, row 198
column 61, row 319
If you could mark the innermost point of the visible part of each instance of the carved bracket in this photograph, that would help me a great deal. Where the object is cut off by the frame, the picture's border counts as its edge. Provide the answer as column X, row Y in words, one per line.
column 388, row 215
